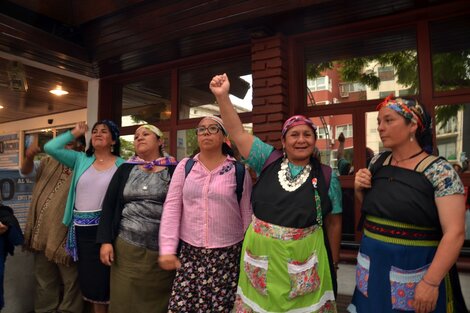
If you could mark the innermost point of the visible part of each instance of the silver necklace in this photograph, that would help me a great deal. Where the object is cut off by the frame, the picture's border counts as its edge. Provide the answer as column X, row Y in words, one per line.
column 288, row 182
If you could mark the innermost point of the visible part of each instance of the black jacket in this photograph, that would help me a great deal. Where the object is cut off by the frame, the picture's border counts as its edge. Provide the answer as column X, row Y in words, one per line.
column 14, row 235
column 113, row 204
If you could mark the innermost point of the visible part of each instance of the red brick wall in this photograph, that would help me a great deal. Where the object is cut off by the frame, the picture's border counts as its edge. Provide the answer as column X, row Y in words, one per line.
column 270, row 90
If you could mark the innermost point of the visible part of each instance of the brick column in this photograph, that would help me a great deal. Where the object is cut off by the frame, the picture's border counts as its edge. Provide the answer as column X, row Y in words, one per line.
column 270, row 87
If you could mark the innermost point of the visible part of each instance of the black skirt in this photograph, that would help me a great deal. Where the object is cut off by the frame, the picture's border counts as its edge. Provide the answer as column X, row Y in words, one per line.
column 93, row 276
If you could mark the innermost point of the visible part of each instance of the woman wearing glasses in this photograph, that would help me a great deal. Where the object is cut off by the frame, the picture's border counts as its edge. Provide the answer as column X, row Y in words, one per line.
column 285, row 263
column 203, row 224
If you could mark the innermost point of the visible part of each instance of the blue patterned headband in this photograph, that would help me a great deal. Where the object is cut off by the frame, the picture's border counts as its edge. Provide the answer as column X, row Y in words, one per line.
column 112, row 128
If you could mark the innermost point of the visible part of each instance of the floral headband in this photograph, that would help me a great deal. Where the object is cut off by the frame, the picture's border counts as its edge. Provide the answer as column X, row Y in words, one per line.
column 297, row 120
column 153, row 129
column 409, row 109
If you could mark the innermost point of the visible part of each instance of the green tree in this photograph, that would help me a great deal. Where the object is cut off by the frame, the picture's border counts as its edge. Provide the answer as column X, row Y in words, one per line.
column 127, row 148
column 451, row 70
column 191, row 142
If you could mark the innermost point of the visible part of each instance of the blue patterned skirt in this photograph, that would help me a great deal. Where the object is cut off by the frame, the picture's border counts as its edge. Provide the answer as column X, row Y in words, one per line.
column 389, row 267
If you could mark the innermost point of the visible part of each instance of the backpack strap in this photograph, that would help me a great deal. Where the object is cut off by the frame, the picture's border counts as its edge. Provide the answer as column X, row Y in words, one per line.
column 188, row 167
column 427, row 162
column 275, row 154
column 240, row 178
column 239, row 175
column 326, row 170
column 384, row 158
column 171, row 169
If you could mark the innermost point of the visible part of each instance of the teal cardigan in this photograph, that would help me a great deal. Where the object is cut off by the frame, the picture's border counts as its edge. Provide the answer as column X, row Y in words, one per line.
column 79, row 162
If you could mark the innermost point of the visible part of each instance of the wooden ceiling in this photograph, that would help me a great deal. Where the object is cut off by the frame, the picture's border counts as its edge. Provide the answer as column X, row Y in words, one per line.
column 75, row 12
column 24, row 92
column 102, row 38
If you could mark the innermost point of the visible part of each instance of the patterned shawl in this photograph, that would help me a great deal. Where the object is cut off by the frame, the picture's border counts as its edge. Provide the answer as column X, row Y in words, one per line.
column 44, row 230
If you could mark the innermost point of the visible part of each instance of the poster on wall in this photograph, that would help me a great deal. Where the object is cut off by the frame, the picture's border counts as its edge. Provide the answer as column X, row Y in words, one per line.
column 16, row 191
column 9, row 151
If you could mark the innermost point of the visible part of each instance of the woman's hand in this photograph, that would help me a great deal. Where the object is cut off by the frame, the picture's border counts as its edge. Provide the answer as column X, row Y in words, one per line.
column 3, row 228
column 425, row 297
column 32, row 151
column 80, row 129
column 220, row 85
column 107, row 254
column 169, row 262
column 362, row 179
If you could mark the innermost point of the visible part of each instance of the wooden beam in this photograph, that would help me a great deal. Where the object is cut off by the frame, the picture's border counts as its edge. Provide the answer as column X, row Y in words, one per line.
column 152, row 24
column 26, row 41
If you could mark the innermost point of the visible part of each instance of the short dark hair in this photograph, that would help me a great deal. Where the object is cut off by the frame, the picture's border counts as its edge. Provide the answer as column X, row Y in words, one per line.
column 116, row 147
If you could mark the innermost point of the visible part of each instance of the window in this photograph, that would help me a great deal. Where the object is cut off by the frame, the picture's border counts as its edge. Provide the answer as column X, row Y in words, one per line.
column 358, row 66
column 347, row 130
column 41, row 137
column 327, row 143
column 187, row 145
column 316, row 84
column 386, row 73
column 346, row 88
column 404, row 92
column 147, row 101
column 450, row 49
column 373, row 141
column 196, row 100
column 447, row 149
column 384, row 94
column 449, row 127
column 452, row 140
column 322, row 132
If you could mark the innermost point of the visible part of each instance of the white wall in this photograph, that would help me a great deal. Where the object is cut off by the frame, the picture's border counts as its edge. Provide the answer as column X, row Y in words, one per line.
column 35, row 123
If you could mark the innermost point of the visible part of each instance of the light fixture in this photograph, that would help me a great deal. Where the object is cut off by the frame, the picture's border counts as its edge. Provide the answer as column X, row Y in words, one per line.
column 58, row 91
column 1, row 106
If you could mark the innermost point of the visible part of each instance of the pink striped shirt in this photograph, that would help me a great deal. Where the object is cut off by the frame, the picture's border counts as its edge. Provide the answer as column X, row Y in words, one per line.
column 203, row 210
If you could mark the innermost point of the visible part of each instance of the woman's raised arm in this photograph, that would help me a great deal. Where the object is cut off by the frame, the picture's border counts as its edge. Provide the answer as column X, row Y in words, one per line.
column 220, row 87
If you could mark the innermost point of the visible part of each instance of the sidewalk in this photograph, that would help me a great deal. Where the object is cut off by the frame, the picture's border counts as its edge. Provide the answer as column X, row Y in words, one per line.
column 347, row 281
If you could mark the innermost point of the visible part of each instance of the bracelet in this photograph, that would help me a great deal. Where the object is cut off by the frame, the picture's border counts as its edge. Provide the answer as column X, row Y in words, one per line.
column 429, row 284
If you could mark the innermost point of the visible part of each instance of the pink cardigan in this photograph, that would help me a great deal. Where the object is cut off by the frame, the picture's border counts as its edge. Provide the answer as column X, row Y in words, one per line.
column 203, row 210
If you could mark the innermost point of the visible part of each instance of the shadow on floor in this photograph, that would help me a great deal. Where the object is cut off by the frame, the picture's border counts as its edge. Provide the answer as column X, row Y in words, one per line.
column 342, row 303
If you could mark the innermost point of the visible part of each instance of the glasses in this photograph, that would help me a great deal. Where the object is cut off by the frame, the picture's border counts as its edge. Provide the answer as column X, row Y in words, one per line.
column 212, row 129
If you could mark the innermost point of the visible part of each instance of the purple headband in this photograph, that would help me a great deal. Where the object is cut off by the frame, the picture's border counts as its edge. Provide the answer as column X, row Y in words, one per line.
column 297, row 120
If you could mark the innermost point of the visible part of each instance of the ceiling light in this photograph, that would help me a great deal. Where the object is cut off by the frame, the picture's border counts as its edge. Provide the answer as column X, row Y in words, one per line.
column 58, row 91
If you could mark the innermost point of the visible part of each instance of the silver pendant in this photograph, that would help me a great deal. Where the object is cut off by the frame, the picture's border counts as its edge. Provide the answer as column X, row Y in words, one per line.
column 287, row 182
column 144, row 188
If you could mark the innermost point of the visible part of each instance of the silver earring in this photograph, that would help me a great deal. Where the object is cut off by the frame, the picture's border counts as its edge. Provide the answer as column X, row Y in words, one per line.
column 411, row 139
column 284, row 152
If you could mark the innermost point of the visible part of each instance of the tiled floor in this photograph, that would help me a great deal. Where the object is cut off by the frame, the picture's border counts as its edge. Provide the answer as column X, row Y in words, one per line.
column 342, row 303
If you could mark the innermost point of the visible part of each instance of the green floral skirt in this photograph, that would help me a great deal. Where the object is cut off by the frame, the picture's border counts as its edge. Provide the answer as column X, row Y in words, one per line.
column 284, row 270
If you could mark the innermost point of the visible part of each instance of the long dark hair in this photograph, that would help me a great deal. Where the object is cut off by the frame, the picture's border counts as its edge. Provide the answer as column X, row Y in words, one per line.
column 226, row 149
column 112, row 127
column 423, row 134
